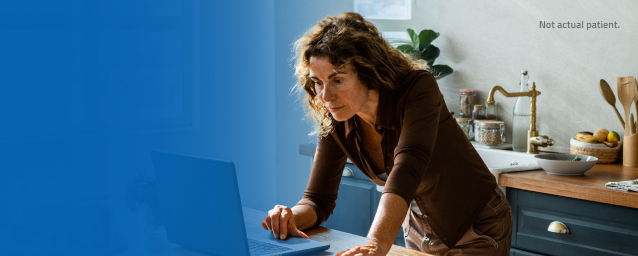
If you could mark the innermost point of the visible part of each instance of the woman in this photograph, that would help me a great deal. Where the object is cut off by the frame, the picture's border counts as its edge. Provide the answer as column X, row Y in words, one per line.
column 376, row 107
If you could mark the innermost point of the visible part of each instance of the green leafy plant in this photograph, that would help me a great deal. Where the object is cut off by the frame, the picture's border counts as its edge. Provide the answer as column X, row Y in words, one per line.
column 421, row 48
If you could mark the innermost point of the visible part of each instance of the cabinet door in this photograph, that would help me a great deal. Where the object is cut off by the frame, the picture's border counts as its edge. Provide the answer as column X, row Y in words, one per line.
column 594, row 228
column 357, row 204
column 354, row 211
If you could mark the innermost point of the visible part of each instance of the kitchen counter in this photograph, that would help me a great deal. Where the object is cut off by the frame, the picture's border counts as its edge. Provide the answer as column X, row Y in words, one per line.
column 590, row 186
column 599, row 221
column 339, row 241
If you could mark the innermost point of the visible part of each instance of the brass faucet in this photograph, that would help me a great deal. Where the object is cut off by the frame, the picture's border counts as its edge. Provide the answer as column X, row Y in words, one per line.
column 533, row 139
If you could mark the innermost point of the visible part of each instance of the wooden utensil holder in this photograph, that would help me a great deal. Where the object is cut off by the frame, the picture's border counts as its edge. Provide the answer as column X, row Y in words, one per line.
column 630, row 150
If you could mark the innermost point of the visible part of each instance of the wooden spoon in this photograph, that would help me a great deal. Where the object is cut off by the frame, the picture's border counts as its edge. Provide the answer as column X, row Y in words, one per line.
column 609, row 96
column 625, row 96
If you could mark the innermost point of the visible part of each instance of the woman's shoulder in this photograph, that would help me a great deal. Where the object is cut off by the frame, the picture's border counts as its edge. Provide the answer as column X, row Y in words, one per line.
column 417, row 81
column 412, row 77
column 418, row 87
column 421, row 72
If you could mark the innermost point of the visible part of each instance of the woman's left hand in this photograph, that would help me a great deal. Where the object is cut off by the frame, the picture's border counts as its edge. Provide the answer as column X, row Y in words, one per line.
column 370, row 249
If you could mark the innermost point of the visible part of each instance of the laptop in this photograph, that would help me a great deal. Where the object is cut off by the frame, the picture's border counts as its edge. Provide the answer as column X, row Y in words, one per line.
column 202, row 211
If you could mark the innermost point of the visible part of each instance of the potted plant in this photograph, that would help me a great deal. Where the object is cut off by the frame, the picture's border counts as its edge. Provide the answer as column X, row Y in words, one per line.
column 420, row 47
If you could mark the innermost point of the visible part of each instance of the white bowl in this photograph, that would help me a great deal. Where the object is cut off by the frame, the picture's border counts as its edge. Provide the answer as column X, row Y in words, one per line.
column 559, row 164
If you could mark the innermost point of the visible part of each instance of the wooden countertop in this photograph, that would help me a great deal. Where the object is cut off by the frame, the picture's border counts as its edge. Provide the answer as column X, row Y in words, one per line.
column 339, row 241
column 590, row 186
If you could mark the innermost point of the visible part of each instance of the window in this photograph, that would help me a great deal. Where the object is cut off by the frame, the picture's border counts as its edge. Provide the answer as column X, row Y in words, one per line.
column 391, row 17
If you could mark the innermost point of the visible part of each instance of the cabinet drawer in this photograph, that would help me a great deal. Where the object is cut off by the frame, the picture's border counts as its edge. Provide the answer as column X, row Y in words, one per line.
column 594, row 228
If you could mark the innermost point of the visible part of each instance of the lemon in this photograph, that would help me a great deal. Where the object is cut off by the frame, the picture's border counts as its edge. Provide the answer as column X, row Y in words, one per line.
column 613, row 136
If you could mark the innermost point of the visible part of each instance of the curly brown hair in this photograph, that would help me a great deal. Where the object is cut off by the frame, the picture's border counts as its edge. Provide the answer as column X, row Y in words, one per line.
column 348, row 39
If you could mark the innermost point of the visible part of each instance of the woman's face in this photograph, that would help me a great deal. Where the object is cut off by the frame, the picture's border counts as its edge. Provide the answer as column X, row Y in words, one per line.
column 339, row 90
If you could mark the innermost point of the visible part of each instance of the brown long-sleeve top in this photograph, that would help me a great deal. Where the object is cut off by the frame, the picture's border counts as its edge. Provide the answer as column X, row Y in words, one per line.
column 426, row 155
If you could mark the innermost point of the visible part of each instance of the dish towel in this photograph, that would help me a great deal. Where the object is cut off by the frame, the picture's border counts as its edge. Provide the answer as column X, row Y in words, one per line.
column 630, row 185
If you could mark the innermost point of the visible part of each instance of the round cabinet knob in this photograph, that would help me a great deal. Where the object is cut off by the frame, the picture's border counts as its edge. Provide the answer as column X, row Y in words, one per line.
column 347, row 172
column 558, row 227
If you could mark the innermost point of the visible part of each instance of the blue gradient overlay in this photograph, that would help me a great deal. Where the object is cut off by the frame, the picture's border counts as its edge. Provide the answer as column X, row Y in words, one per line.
column 89, row 88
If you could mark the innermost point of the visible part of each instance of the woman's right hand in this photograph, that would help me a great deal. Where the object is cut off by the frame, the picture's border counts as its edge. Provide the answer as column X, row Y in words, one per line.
column 281, row 222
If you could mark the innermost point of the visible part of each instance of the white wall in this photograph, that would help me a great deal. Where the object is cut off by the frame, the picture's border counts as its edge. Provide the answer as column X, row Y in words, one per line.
column 488, row 43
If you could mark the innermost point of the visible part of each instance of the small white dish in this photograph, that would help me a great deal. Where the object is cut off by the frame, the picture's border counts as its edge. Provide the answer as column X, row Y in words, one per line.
column 559, row 164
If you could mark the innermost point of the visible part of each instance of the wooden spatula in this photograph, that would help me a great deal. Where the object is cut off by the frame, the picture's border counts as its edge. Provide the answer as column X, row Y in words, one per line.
column 609, row 96
column 626, row 97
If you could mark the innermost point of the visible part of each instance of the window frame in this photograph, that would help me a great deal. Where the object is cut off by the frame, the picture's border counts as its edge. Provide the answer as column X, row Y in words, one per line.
column 394, row 25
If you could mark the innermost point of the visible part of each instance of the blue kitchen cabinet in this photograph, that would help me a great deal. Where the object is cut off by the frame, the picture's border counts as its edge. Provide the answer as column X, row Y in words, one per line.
column 357, row 205
column 357, row 201
column 594, row 228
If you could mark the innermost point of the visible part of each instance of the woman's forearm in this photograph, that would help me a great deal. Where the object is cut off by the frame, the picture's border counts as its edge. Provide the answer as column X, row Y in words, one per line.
column 305, row 216
column 387, row 221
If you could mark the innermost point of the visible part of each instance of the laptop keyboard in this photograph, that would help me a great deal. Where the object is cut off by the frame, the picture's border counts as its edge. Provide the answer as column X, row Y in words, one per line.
column 261, row 248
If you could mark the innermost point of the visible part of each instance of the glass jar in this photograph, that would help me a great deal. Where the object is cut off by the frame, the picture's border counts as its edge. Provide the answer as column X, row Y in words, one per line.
column 467, row 126
column 491, row 111
column 477, row 128
column 478, row 113
column 492, row 133
column 477, row 135
column 467, row 99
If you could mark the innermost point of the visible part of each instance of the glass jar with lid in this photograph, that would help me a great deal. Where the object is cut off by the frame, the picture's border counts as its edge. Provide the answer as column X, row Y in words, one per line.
column 467, row 100
column 466, row 126
column 491, row 111
column 478, row 113
column 491, row 133
column 476, row 125
column 477, row 128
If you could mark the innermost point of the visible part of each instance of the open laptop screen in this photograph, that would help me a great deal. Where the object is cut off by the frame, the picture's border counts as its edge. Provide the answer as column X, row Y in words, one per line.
column 200, row 203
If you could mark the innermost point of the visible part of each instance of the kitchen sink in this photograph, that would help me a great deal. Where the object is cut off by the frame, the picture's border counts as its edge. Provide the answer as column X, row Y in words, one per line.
column 499, row 161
